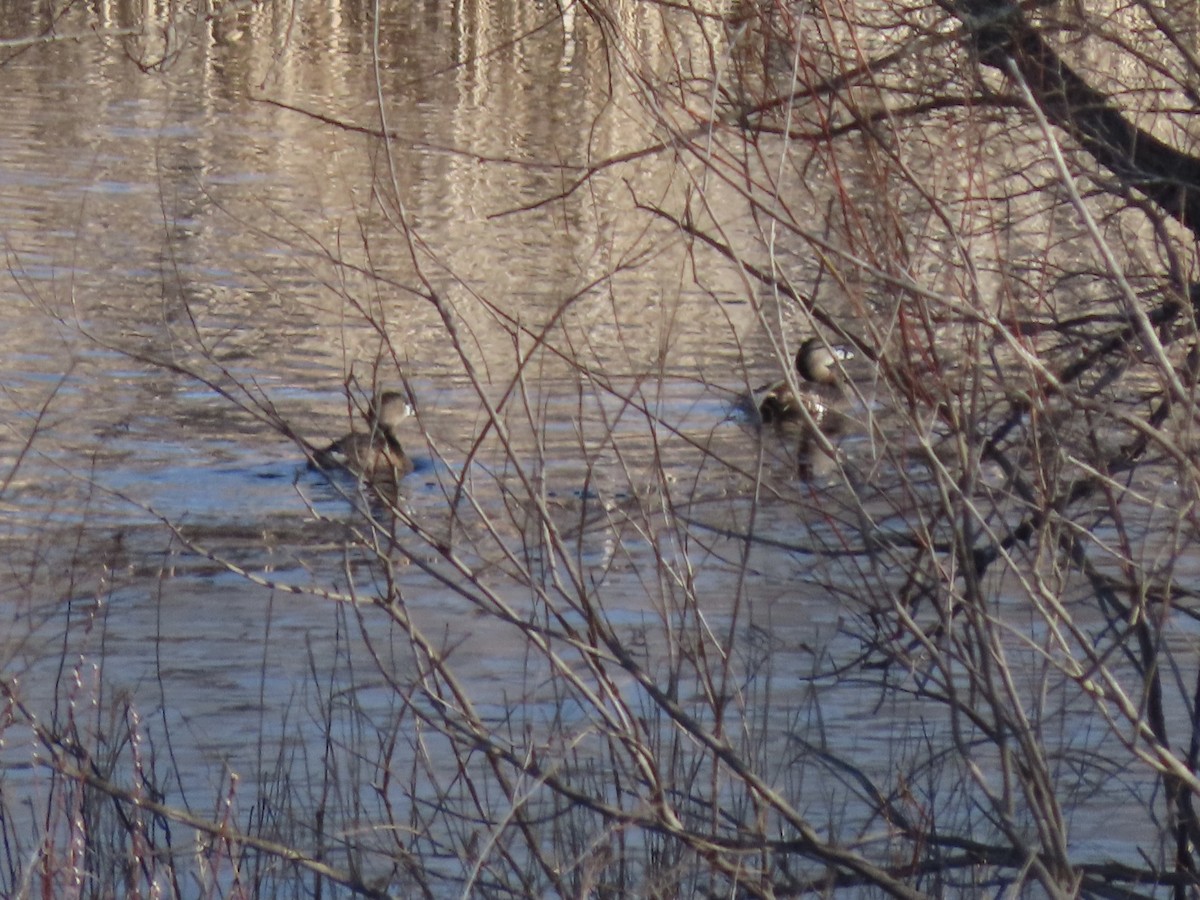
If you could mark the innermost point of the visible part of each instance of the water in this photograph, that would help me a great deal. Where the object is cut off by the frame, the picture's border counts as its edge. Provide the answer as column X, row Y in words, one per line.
column 197, row 271
column 206, row 258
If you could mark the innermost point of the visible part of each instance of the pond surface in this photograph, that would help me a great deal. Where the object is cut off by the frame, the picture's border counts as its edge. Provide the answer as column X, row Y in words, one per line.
column 207, row 224
column 214, row 258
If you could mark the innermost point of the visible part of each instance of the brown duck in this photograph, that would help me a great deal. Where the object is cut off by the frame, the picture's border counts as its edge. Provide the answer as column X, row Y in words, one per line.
column 818, row 391
column 374, row 455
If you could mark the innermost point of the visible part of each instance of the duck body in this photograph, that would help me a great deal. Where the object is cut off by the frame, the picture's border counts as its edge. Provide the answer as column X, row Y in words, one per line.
column 375, row 456
column 818, row 393
column 779, row 404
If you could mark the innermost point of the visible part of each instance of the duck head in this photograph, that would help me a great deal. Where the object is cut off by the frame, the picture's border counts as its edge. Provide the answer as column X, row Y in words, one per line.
column 816, row 361
column 388, row 410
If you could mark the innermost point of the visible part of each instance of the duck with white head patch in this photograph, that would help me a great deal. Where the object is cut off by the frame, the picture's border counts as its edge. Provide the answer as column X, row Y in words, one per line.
column 376, row 455
column 819, row 390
